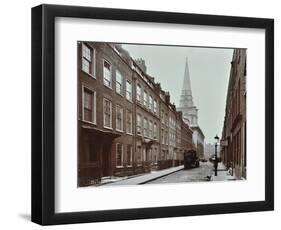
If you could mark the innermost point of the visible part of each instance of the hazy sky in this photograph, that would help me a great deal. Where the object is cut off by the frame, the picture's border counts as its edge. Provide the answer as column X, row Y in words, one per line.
column 209, row 70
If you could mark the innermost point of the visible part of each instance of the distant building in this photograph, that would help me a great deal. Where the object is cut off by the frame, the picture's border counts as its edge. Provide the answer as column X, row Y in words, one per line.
column 190, row 113
column 233, row 143
column 209, row 150
column 184, row 137
column 127, row 124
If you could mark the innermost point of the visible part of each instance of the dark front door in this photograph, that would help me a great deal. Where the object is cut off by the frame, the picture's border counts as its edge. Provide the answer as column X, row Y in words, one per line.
column 89, row 160
column 106, row 161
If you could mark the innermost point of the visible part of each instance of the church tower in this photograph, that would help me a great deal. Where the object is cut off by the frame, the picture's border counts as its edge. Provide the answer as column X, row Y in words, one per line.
column 189, row 110
column 190, row 113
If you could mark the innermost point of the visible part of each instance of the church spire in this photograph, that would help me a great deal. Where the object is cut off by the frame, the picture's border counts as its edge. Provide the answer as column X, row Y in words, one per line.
column 186, row 100
column 186, row 86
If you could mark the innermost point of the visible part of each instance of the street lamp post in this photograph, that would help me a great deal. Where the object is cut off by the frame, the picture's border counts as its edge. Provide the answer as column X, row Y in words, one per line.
column 216, row 155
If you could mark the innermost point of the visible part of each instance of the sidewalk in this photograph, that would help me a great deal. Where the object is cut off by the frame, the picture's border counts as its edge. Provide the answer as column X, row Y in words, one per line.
column 144, row 178
column 221, row 167
column 223, row 174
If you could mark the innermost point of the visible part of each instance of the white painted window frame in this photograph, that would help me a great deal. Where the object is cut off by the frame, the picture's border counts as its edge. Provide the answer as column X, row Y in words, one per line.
column 140, row 126
column 131, row 125
column 145, row 127
column 122, row 153
column 105, row 99
column 110, row 87
column 155, row 106
column 155, row 133
column 122, row 119
column 93, row 60
column 145, row 98
column 118, row 73
column 139, row 95
column 150, row 103
column 94, row 120
column 150, row 129
column 130, row 93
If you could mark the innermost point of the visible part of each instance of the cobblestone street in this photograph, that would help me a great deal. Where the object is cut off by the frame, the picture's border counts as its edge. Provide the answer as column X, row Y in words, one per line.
column 201, row 173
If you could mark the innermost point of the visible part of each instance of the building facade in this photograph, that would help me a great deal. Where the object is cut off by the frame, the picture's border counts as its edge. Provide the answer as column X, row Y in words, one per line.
column 126, row 122
column 198, row 141
column 190, row 113
column 210, row 150
column 184, row 136
column 147, row 118
column 233, row 144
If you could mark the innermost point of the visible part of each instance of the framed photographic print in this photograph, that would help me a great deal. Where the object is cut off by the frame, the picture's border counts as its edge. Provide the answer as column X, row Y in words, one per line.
column 143, row 114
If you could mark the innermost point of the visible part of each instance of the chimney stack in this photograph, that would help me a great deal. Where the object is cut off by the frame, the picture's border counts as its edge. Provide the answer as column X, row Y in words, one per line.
column 141, row 63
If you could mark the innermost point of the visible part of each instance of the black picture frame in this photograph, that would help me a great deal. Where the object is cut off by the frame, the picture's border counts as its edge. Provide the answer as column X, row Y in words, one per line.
column 43, row 114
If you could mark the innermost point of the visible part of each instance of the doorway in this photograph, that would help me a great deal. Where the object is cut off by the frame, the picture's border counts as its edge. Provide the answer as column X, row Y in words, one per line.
column 106, row 160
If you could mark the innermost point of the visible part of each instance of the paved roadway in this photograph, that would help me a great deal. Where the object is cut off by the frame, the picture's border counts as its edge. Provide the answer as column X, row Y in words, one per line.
column 187, row 175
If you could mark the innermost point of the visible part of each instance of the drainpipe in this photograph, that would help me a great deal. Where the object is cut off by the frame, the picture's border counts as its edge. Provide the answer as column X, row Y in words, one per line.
column 134, row 121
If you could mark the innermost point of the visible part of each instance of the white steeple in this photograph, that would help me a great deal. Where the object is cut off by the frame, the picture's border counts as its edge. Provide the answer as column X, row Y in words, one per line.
column 186, row 87
column 187, row 107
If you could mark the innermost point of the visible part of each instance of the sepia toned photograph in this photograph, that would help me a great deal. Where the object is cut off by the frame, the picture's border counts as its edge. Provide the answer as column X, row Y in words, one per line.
column 155, row 114
column 131, row 103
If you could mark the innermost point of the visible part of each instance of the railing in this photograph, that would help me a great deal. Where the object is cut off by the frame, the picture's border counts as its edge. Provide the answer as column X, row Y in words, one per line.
column 163, row 164
column 89, row 175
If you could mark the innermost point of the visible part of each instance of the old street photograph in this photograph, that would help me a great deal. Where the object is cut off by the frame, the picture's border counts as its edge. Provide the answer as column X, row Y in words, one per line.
column 154, row 114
